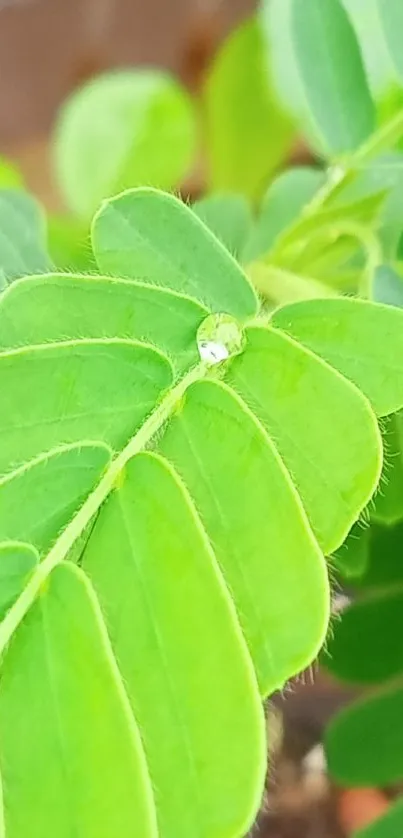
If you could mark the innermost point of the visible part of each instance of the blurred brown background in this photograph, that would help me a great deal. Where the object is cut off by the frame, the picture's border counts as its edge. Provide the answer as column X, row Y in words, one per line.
column 48, row 46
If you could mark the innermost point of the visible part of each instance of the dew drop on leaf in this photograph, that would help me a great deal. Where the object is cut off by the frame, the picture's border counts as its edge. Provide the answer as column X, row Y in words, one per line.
column 219, row 337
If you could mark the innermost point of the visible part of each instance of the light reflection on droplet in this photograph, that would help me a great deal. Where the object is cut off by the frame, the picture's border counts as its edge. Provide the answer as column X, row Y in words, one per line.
column 219, row 337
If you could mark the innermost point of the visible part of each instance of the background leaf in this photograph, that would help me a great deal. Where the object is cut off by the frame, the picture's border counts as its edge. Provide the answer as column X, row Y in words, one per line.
column 366, row 646
column 144, row 116
column 229, row 217
column 388, row 501
column 391, row 15
column 69, row 244
column 388, row 826
column 10, row 176
column 275, row 17
column 387, row 286
column 352, row 558
column 282, row 204
column 384, row 174
column 364, row 15
column 369, row 726
column 247, row 131
column 332, row 71
column 22, row 237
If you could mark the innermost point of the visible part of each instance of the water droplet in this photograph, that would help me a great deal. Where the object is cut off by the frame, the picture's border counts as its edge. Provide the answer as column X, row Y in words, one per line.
column 219, row 337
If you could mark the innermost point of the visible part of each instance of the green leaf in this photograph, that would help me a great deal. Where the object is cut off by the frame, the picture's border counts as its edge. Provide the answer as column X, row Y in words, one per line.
column 168, row 611
column 229, row 217
column 85, row 366
column 365, row 646
column 67, row 475
column 362, row 340
column 332, row 72
column 387, row 286
column 388, row 502
column 391, row 15
column 332, row 221
column 280, row 287
column 57, row 307
column 123, row 129
column 388, row 826
column 364, row 16
column 247, row 131
column 71, row 756
column 277, row 377
column 385, row 565
column 240, row 482
column 141, row 235
column 275, row 16
column 17, row 561
column 283, row 202
column 90, row 381
column 352, row 558
column 10, row 176
column 384, row 174
column 22, row 236
column 364, row 742
column 69, row 244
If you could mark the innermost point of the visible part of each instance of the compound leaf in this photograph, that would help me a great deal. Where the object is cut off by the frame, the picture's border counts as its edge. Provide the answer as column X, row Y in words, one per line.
column 210, row 543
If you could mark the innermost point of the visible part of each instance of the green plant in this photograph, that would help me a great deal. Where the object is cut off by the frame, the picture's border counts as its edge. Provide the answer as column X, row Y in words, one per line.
column 188, row 429
column 164, row 421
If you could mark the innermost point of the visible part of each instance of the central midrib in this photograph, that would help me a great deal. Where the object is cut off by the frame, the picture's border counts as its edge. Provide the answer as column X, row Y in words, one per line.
column 77, row 525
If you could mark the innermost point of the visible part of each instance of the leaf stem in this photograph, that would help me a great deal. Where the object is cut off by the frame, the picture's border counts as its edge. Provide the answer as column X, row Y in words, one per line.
column 344, row 170
column 77, row 525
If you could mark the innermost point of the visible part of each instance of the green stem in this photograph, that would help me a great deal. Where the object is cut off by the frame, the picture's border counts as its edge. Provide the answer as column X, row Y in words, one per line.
column 89, row 508
column 345, row 170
